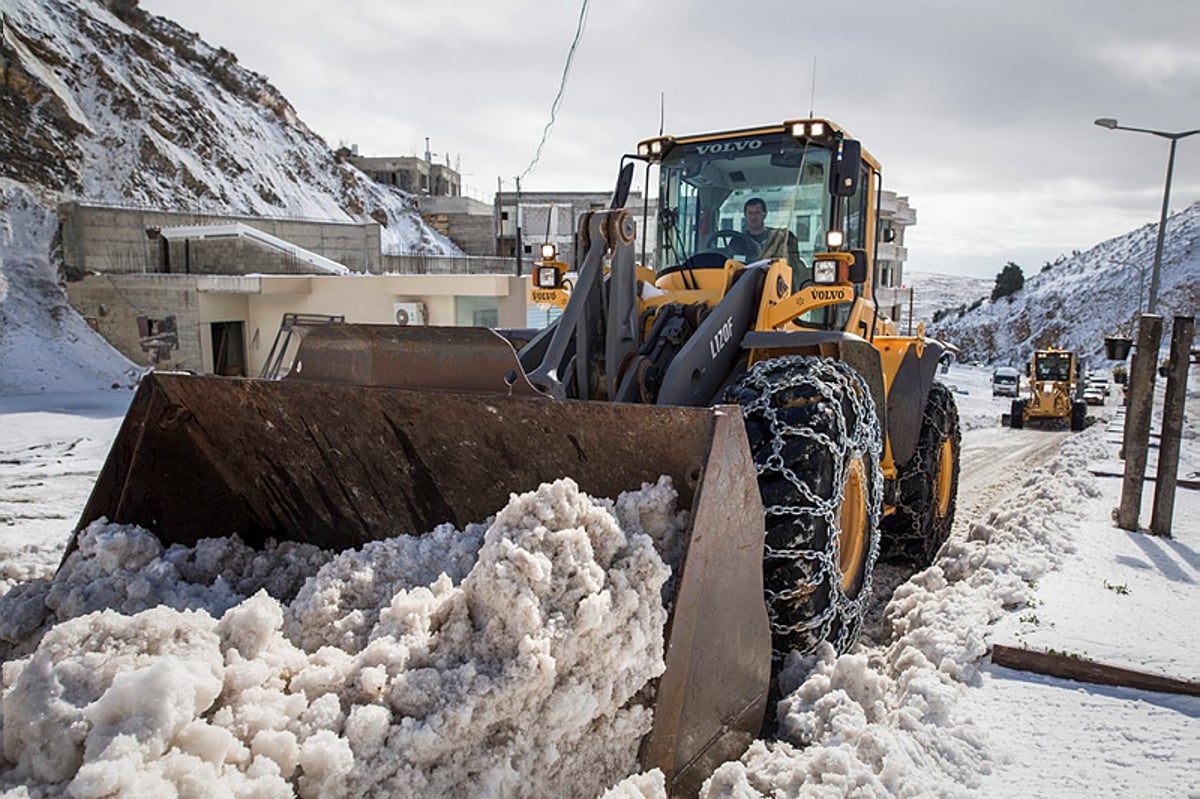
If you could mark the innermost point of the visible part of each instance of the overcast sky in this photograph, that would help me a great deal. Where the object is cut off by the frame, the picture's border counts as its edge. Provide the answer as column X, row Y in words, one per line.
column 980, row 113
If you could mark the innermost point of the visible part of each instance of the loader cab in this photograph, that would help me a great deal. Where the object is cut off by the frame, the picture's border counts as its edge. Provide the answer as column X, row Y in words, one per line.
column 814, row 184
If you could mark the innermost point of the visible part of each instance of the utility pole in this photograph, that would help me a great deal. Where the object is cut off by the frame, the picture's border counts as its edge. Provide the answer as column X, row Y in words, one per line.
column 1111, row 124
column 1137, row 419
column 520, row 244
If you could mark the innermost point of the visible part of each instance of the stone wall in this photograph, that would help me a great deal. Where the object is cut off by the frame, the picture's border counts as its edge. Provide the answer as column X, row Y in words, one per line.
column 112, row 306
column 474, row 234
column 116, row 240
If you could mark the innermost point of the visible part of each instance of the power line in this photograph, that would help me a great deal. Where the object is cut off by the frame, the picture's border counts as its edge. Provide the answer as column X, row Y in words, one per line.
column 562, row 87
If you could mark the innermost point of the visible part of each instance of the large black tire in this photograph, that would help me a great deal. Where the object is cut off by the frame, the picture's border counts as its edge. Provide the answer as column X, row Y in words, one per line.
column 816, row 443
column 927, row 486
column 1078, row 415
column 1017, row 417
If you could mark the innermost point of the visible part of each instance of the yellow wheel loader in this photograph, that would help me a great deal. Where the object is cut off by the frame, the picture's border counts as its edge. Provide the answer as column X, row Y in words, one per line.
column 754, row 369
column 1055, row 392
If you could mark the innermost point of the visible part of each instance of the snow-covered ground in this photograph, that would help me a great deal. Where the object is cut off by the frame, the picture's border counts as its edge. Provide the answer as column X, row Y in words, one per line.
column 920, row 712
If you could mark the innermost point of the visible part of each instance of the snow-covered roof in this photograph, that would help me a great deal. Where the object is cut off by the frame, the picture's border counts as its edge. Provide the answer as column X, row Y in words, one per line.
column 237, row 230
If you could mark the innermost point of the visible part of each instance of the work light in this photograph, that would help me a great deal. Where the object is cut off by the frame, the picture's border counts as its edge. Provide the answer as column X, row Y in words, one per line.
column 825, row 271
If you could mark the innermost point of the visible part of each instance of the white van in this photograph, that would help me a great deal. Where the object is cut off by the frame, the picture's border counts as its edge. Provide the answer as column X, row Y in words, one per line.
column 1006, row 382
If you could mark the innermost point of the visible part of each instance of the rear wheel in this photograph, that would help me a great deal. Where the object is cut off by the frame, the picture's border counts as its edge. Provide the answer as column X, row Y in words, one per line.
column 1078, row 415
column 1017, row 417
column 815, row 440
column 927, row 486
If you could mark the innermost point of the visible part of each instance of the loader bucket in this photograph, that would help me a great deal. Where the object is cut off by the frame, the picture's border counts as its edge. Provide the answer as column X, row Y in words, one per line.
column 338, row 465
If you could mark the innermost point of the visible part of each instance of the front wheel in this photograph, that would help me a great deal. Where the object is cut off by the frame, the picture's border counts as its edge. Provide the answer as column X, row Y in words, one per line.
column 927, row 486
column 815, row 438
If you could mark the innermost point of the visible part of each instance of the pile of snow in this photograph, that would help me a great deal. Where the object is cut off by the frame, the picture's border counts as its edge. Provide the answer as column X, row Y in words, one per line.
column 1074, row 303
column 511, row 656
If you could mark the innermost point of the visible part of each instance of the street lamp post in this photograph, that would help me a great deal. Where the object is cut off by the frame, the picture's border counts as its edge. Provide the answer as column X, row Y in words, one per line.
column 1111, row 124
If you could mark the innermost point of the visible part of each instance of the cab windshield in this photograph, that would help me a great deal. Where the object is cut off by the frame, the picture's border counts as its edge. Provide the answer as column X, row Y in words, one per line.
column 1053, row 367
column 751, row 198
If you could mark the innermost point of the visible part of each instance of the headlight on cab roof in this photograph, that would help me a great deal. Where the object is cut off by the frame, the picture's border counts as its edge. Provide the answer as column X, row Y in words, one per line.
column 549, row 252
column 807, row 128
column 654, row 149
column 825, row 271
column 546, row 277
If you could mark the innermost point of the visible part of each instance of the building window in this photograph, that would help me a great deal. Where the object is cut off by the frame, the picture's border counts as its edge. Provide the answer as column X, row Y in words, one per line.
column 157, row 337
column 504, row 216
column 476, row 311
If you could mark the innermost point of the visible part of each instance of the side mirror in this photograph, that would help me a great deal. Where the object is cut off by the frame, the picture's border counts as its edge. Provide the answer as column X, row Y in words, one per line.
column 847, row 162
column 624, row 181
column 858, row 270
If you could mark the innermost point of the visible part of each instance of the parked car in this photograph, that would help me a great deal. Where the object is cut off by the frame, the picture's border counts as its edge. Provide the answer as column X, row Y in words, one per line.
column 1093, row 394
column 1100, row 379
column 1006, row 382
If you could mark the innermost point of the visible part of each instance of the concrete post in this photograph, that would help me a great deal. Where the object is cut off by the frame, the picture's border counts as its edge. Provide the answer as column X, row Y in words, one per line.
column 1137, row 421
column 1172, row 426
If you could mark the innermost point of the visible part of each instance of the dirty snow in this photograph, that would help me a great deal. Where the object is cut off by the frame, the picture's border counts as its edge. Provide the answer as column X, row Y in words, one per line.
column 507, row 656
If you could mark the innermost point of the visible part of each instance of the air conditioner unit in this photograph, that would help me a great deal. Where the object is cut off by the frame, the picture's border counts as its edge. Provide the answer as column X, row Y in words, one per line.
column 409, row 313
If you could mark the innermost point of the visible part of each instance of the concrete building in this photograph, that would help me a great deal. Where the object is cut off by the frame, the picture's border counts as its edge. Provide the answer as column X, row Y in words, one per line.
column 120, row 240
column 208, row 293
column 420, row 176
column 553, row 217
column 226, row 324
column 895, row 298
column 469, row 223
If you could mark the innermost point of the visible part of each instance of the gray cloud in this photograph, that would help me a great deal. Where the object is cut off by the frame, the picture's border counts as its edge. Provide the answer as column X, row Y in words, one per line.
column 981, row 113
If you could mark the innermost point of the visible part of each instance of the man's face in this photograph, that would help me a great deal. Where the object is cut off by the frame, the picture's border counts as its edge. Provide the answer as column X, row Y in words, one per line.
column 755, row 216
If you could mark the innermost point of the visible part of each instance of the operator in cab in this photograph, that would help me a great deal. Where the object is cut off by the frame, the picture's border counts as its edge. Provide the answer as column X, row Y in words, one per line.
column 773, row 242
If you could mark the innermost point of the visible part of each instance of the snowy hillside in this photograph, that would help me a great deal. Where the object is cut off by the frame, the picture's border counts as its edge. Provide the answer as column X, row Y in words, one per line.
column 102, row 102
column 1077, row 301
column 933, row 292
column 131, row 108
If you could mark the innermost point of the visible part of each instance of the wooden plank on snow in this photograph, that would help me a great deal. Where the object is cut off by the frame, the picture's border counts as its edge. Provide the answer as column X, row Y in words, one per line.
column 1073, row 668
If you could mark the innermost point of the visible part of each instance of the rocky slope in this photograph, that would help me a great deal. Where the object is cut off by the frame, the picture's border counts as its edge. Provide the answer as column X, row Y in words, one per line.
column 103, row 102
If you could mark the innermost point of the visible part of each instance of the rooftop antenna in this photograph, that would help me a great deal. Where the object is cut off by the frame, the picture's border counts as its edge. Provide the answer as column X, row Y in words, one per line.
column 812, row 98
column 662, row 111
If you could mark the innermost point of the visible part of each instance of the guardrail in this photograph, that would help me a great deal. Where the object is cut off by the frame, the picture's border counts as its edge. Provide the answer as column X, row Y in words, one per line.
column 409, row 264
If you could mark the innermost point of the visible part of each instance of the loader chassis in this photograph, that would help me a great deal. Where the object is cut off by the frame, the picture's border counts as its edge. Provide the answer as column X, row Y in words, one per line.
column 796, row 423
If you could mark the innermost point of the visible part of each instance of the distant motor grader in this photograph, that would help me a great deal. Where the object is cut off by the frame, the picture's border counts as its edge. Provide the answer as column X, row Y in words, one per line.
column 1054, row 392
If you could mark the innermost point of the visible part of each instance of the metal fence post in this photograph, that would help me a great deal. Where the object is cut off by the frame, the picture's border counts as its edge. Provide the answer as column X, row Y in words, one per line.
column 1137, row 419
column 1167, row 474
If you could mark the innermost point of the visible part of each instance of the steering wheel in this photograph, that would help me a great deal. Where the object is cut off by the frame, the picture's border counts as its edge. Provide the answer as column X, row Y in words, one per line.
column 732, row 242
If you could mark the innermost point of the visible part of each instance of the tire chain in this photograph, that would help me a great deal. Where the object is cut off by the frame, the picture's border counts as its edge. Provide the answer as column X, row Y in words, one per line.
column 829, row 379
